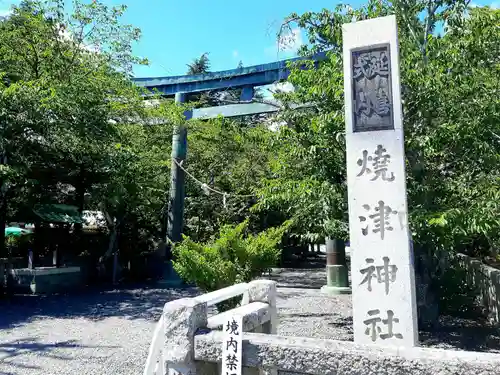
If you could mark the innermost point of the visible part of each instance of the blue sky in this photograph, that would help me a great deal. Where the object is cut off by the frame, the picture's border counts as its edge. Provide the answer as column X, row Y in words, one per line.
column 176, row 31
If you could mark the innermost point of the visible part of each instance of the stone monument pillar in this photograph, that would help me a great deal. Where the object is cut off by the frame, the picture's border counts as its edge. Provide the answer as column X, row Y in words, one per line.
column 382, row 269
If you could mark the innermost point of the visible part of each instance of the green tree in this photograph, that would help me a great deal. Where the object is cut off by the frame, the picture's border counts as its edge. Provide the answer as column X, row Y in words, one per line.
column 451, row 122
column 200, row 65
column 228, row 158
column 63, row 74
column 451, row 110
column 134, row 193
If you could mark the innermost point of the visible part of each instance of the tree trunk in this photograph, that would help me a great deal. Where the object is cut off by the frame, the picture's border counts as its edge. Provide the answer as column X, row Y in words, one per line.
column 3, row 220
column 112, row 242
column 427, row 299
column 80, row 202
column 3, row 248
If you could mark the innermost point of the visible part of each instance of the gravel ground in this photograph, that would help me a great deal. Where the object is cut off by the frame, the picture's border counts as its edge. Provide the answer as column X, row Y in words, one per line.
column 304, row 311
column 108, row 332
column 99, row 333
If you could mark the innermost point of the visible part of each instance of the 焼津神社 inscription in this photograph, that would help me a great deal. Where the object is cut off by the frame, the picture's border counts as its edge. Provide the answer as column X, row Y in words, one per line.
column 371, row 84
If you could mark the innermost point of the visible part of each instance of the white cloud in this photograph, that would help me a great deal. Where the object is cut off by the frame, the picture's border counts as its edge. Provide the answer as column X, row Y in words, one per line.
column 235, row 54
column 282, row 87
column 494, row 5
column 5, row 12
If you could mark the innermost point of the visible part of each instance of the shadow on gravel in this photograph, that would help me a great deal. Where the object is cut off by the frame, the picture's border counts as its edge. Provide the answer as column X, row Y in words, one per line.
column 9, row 350
column 342, row 322
column 313, row 260
column 463, row 334
column 288, row 294
column 304, row 278
column 452, row 333
column 309, row 273
column 130, row 302
column 13, row 349
column 21, row 367
column 304, row 315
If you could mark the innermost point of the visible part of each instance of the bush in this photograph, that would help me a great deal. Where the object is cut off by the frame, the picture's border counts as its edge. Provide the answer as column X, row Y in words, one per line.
column 235, row 256
column 18, row 246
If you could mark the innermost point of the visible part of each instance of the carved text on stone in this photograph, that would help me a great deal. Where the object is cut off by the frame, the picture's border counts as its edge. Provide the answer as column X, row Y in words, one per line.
column 379, row 164
column 371, row 87
column 374, row 322
column 384, row 274
column 381, row 219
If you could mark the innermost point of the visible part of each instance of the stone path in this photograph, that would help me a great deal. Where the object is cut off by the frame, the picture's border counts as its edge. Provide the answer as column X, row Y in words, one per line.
column 108, row 332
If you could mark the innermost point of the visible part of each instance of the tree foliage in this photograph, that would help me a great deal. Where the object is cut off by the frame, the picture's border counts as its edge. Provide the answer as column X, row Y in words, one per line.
column 62, row 74
column 73, row 131
column 231, row 160
column 450, row 86
column 200, row 65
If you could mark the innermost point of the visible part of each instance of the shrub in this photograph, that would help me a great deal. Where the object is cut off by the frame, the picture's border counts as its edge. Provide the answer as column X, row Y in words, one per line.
column 235, row 256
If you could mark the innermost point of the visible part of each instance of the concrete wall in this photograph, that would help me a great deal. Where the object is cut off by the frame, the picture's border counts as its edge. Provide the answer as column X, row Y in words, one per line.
column 46, row 279
column 486, row 280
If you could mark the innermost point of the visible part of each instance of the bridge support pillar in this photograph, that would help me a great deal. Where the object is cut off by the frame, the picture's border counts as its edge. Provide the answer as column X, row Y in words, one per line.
column 247, row 93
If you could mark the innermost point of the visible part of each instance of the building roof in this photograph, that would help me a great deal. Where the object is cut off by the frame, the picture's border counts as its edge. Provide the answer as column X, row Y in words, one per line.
column 58, row 213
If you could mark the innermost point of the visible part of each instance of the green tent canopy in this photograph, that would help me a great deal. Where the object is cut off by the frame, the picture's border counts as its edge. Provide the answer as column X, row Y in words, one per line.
column 16, row 232
column 58, row 213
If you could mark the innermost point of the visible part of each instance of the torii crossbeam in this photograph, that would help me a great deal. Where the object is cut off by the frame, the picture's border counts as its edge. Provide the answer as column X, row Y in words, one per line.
column 246, row 78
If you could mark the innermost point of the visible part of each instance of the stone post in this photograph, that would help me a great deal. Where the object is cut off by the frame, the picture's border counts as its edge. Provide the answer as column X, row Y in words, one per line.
column 182, row 317
column 30, row 259
column 179, row 152
column 337, row 278
column 175, row 214
column 263, row 291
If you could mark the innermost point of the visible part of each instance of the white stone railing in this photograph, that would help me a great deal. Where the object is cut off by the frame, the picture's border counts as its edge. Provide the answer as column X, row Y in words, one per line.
column 300, row 355
column 187, row 341
column 154, row 364
column 172, row 347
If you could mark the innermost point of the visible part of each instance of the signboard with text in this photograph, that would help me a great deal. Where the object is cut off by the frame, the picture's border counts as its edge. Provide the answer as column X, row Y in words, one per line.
column 232, row 346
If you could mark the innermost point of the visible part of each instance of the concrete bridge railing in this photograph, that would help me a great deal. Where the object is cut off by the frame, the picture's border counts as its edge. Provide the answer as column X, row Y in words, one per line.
column 172, row 347
column 188, row 341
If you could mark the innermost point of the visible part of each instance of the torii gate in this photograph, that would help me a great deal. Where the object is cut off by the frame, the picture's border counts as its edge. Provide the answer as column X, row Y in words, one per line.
column 246, row 78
